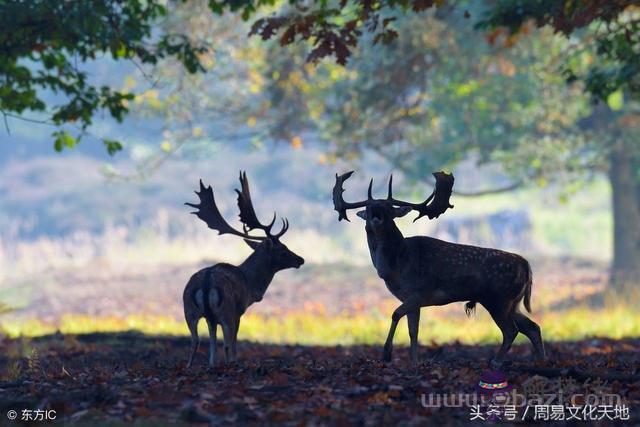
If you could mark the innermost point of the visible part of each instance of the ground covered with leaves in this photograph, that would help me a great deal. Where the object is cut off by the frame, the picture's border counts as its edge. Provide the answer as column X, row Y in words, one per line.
column 130, row 377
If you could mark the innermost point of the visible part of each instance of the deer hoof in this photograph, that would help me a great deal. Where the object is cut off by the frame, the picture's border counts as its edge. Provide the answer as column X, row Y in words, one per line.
column 386, row 355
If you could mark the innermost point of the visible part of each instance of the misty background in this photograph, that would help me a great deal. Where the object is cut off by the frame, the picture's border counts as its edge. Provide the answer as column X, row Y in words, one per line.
column 83, row 232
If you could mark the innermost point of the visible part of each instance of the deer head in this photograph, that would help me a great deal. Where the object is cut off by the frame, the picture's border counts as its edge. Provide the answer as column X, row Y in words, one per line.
column 379, row 212
column 268, row 245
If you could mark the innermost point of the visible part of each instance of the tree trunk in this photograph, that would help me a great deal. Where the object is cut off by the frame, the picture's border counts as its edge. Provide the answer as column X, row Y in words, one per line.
column 625, row 269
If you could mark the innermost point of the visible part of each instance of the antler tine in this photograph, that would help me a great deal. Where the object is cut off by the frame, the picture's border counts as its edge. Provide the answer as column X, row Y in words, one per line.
column 369, row 196
column 390, row 196
column 285, row 227
column 273, row 221
column 208, row 212
column 437, row 203
column 247, row 212
column 338, row 202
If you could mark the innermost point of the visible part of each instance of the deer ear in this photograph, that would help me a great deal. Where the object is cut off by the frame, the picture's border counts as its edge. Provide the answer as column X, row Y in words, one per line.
column 401, row 211
column 362, row 214
column 252, row 244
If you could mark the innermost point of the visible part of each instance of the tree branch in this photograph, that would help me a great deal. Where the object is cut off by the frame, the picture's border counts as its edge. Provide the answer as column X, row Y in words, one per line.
column 510, row 187
column 6, row 123
column 26, row 119
column 486, row 192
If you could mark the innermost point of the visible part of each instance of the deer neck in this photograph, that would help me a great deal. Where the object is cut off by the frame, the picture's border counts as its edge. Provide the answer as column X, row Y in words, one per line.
column 258, row 271
column 387, row 248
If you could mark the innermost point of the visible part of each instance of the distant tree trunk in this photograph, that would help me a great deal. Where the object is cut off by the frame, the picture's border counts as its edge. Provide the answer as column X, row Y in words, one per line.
column 625, row 269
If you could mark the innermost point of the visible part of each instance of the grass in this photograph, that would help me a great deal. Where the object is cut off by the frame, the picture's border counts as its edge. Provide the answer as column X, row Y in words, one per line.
column 616, row 321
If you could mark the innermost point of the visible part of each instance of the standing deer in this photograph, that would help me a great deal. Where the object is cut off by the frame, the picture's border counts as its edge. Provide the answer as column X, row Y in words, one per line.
column 422, row 271
column 223, row 292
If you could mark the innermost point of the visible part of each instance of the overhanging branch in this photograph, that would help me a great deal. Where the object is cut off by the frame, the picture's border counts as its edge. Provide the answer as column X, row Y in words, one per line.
column 479, row 193
column 510, row 187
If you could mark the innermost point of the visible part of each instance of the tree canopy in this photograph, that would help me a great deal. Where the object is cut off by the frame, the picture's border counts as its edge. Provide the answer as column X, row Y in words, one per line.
column 335, row 29
column 437, row 95
column 612, row 31
column 45, row 43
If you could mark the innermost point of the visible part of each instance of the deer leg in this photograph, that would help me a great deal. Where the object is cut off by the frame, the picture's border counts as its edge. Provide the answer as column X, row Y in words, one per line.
column 234, row 342
column 195, row 340
column 388, row 345
column 509, row 331
column 406, row 307
column 532, row 331
column 413, row 322
column 228, row 340
column 213, row 342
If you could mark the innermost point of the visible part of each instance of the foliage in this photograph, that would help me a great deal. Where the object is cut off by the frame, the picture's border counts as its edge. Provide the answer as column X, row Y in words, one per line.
column 334, row 28
column 437, row 96
column 612, row 30
column 45, row 42
column 439, row 89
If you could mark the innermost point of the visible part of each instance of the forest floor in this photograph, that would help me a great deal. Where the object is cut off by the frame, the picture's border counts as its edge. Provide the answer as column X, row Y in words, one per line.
column 136, row 379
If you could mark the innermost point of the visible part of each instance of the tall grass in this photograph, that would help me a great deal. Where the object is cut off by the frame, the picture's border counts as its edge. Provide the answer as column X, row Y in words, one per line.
column 614, row 321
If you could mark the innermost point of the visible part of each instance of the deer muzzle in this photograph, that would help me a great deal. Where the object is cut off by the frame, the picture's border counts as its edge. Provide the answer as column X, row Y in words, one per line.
column 299, row 262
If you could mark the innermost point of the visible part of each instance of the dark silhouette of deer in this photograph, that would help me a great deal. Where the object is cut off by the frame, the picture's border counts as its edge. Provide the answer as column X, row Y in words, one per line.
column 422, row 271
column 223, row 292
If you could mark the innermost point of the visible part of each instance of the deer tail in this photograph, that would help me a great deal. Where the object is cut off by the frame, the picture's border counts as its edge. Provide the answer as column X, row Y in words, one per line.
column 470, row 308
column 527, row 289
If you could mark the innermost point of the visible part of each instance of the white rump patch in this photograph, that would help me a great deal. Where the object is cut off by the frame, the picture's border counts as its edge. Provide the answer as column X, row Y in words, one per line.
column 214, row 298
column 199, row 302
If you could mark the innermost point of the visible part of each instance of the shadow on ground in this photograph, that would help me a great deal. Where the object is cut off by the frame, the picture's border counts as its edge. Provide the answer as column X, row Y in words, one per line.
column 130, row 377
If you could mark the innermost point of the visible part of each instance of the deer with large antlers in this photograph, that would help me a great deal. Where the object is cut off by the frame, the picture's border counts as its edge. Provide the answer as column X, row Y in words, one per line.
column 422, row 271
column 222, row 293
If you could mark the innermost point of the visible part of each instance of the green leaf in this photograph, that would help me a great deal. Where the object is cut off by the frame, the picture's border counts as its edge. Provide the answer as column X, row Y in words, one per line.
column 63, row 140
column 112, row 146
column 616, row 100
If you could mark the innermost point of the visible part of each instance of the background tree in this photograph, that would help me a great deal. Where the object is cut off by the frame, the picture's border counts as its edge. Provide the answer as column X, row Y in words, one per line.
column 45, row 43
column 441, row 93
column 609, row 32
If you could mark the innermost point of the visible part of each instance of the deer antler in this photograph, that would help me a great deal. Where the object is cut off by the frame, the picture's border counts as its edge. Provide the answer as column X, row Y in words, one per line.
column 435, row 205
column 439, row 198
column 209, row 213
column 248, row 215
column 285, row 227
column 338, row 202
